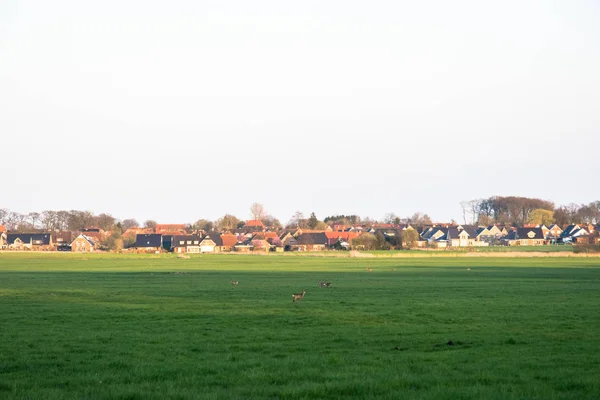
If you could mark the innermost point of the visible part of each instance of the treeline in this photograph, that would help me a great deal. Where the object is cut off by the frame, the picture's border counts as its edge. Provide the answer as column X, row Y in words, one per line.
column 518, row 211
column 64, row 220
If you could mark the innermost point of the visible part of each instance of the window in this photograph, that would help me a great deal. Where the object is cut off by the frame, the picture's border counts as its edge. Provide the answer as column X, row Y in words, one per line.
column 189, row 242
column 181, row 242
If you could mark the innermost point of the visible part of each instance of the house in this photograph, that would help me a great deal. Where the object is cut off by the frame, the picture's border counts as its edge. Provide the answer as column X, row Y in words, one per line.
column 207, row 245
column 228, row 241
column 311, row 242
column 465, row 237
column 341, row 237
column 185, row 244
column 29, row 241
column 287, row 240
column 554, row 232
column 84, row 244
column 95, row 233
column 525, row 237
column 63, row 238
column 571, row 232
column 243, row 245
column 3, row 229
column 149, row 243
column 3, row 244
column 254, row 225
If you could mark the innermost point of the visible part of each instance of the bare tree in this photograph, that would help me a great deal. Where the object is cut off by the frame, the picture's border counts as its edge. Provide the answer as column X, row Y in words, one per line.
column 297, row 220
column 150, row 224
column 4, row 212
column 129, row 223
column 258, row 211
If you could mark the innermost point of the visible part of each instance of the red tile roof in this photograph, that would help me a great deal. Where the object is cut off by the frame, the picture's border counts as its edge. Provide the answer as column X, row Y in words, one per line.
column 341, row 235
column 2, row 228
column 254, row 222
column 229, row 240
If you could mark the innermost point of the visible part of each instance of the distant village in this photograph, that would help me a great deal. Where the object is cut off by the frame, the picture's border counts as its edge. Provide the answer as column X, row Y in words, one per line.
column 255, row 236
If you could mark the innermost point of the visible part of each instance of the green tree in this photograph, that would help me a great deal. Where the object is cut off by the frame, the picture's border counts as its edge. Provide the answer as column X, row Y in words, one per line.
column 114, row 242
column 409, row 238
column 541, row 217
column 312, row 221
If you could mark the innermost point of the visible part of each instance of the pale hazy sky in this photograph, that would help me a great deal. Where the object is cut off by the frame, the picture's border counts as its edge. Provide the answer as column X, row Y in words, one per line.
column 180, row 110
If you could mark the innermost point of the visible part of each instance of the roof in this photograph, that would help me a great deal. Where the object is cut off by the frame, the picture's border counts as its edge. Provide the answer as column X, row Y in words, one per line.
column 148, row 240
column 185, row 238
column 2, row 228
column 42, row 238
column 164, row 228
column 89, row 239
column 228, row 240
column 215, row 237
column 341, row 235
column 526, row 233
column 254, row 222
column 312, row 238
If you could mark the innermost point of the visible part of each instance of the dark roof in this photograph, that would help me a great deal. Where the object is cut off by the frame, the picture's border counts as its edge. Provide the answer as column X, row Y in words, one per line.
column 523, row 233
column 40, row 239
column 215, row 237
column 184, row 239
column 312, row 238
column 471, row 230
column 148, row 240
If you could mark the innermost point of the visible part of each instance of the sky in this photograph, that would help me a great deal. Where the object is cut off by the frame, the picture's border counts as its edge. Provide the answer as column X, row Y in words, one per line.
column 180, row 110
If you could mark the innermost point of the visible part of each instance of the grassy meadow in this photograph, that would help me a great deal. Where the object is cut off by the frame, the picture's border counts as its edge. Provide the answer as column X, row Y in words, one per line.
column 157, row 327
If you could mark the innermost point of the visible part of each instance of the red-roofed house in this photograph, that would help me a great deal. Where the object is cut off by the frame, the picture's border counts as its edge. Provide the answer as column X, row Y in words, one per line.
column 2, row 229
column 229, row 241
column 334, row 237
column 254, row 225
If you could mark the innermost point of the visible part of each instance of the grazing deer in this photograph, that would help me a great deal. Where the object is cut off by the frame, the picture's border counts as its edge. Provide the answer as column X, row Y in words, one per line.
column 468, row 269
column 325, row 284
column 369, row 269
column 393, row 269
column 296, row 296
column 234, row 283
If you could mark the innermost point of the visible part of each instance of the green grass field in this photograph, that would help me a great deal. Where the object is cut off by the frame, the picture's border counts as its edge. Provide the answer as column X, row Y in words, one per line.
column 143, row 327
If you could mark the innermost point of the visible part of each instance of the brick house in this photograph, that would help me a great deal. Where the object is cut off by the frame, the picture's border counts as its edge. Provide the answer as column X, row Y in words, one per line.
column 83, row 244
column 228, row 240
column 185, row 244
column 311, row 242
column 30, row 241
column 525, row 237
column 148, row 243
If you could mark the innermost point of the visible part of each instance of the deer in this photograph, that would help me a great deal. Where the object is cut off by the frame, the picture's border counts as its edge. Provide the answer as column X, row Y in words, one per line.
column 325, row 284
column 234, row 283
column 369, row 269
column 296, row 296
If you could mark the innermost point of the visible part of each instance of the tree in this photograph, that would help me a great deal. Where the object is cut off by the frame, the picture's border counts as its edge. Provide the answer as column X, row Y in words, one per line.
column 409, row 238
column 204, row 225
column 257, row 211
column 151, row 224
column 391, row 218
column 321, row 226
column 114, row 242
column 4, row 212
column 227, row 223
column 105, row 222
column 129, row 223
column 420, row 219
column 312, row 221
column 541, row 217
column 34, row 217
column 297, row 220
column 271, row 222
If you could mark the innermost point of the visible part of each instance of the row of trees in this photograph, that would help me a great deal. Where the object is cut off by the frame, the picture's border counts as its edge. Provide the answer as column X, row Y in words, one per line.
column 519, row 211
column 509, row 210
column 61, row 220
